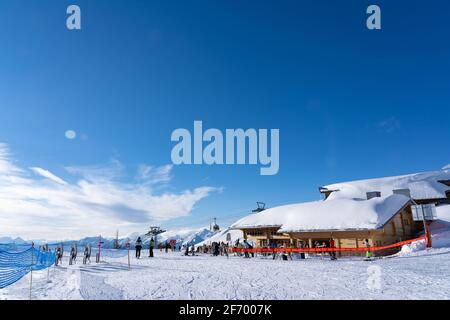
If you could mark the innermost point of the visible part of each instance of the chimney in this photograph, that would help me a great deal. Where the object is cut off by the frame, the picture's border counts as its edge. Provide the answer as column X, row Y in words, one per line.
column 403, row 192
column 373, row 194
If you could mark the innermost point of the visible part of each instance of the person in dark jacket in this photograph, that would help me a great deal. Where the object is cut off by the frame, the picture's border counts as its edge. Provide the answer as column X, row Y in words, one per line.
column 150, row 249
column 167, row 246
column 332, row 246
column 138, row 247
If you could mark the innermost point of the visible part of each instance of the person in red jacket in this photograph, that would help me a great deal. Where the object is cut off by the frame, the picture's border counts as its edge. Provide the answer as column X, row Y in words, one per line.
column 332, row 246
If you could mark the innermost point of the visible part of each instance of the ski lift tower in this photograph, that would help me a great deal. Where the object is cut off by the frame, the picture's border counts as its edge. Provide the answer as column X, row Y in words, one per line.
column 116, row 241
column 261, row 206
column 154, row 231
column 215, row 226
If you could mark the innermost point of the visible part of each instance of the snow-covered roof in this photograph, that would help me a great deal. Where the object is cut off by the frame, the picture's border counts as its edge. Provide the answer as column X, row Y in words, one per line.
column 423, row 185
column 338, row 214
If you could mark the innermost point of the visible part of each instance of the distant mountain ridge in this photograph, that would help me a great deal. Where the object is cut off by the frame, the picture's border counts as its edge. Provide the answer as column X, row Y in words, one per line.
column 10, row 240
column 182, row 236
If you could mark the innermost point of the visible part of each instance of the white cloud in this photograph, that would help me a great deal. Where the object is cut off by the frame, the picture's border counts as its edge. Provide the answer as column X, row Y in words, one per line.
column 47, row 174
column 99, row 202
column 70, row 134
column 154, row 175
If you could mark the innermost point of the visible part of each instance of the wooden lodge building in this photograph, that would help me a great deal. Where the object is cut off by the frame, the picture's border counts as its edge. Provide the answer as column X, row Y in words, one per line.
column 351, row 213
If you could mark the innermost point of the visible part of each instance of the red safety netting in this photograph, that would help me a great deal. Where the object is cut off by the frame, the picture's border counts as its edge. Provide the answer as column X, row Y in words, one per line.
column 322, row 250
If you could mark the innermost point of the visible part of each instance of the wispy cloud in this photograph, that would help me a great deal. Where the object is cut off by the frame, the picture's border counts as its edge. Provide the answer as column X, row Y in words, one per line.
column 99, row 202
column 389, row 125
column 153, row 175
column 48, row 175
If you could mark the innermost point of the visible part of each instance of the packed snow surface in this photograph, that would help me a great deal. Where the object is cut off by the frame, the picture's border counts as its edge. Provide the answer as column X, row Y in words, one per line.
column 414, row 273
column 174, row 276
column 339, row 214
column 423, row 185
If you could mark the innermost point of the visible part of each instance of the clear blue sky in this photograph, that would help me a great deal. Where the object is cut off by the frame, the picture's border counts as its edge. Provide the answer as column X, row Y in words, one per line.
column 350, row 103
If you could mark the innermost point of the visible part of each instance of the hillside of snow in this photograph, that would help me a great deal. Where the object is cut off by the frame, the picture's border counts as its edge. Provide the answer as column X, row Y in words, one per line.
column 221, row 236
column 181, row 235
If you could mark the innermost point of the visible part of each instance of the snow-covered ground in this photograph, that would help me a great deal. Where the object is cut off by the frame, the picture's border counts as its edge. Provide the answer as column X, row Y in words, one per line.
column 422, row 275
column 414, row 273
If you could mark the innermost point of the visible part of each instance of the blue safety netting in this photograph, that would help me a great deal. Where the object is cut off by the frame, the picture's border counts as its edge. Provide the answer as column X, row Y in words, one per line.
column 110, row 253
column 16, row 264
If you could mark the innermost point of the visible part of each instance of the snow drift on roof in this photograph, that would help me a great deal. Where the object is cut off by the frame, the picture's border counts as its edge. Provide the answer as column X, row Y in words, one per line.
column 424, row 185
column 443, row 213
column 339, row 214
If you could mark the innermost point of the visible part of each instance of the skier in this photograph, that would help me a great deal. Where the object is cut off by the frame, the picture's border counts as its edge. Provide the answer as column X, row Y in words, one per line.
column 302, row 246
column 186, row 252
column 368, row 252
column 152, row 245
column 87, row 254
column 246, row 247
column 59, row 255
column 138, row 247
column 167, row 247
column 273, row 245
column 73, row 254
column 251, row 248
column 332, row 253
column 215, row 249
column 225, row 248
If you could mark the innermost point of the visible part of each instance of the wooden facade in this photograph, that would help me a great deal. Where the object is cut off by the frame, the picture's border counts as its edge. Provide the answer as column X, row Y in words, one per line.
column 399, row 228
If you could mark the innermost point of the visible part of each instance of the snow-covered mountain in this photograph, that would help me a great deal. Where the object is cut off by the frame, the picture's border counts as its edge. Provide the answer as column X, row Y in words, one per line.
column 181, row 235
column 198, row 237
column 18, row 240
column 221, row 236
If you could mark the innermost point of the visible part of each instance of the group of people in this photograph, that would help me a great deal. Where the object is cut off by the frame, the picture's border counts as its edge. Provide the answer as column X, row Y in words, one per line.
column 59, row 253
column 222, row 248
column 138, row 247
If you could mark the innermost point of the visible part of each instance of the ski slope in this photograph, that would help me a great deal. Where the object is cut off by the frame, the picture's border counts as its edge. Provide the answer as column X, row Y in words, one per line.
column 414, row 273
column 423, row 275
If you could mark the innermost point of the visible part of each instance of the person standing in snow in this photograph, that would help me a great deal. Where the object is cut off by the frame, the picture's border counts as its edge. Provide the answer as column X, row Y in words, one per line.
column 225, row 249
column 59, row 255
column 166, row 247
column 302, row 246
column 273, row 246
column 368, row 252
column 246, row 247
column 87, row 254
column 138, row 247
column 249, row 247
column 150, row 249
column 332, row 246
column 73, row 254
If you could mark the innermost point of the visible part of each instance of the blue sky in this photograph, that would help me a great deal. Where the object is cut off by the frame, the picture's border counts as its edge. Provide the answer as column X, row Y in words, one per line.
column 350, row 103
